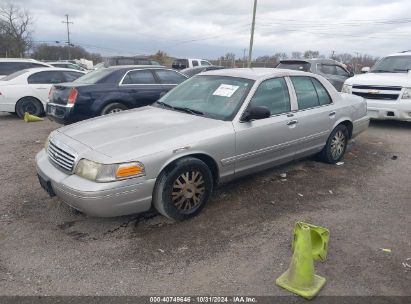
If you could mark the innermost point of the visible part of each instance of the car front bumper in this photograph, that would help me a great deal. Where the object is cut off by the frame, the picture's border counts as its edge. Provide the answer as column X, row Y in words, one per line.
column 389, row 110
column 95, row 199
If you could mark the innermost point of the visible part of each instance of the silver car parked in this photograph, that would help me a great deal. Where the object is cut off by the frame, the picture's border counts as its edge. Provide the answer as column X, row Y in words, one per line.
column 210, row 129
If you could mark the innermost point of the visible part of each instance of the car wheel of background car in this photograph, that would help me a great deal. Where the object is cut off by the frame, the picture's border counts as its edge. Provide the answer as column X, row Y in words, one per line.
column 113, row 108
column 183, row 189
column 336, row 145
column 29, row 104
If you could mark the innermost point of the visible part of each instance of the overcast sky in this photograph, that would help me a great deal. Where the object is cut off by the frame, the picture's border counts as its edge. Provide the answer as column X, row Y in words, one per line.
column 208, row 29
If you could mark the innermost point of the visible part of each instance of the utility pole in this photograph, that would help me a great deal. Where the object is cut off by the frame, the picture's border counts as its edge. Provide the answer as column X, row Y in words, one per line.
column 244, row 58
column 250, row 50
column 68, row 34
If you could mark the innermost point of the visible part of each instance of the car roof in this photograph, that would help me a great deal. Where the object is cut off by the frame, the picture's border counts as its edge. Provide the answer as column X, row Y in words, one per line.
column 255, row 73
column 128, row 67
column 21, row 60
column 312, row 60
column 404, row 53
column 52, row 69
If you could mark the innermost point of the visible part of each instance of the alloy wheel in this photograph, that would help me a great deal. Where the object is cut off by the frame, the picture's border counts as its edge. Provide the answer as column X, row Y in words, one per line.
column 188, row 190
column 338, row 145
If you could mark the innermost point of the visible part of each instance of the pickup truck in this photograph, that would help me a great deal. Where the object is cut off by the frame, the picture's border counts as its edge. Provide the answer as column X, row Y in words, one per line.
column 386, row 87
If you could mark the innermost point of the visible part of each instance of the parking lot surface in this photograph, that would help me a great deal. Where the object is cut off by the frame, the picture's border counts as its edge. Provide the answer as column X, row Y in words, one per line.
column 239, row 244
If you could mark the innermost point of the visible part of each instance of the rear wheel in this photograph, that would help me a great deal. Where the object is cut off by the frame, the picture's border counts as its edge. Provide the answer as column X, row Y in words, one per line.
column 183, row 189
column 113, row 108
column 336, row 145
column 30, row 105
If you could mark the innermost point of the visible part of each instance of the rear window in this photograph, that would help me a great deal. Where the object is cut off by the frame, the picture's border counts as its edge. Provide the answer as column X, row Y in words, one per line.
column 180, row 64
column 297, row 66
column 94, row 77
column 7, row 68
column 13, row 75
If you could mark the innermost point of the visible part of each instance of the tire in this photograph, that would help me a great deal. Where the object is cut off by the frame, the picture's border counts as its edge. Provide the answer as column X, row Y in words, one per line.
column 113, row 108
column 336, row 145
column 176, row 196
column 31, row 105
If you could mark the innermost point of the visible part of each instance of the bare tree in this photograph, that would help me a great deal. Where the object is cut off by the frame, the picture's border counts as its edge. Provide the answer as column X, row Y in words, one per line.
column 311, row 54
column 15, row 30
column 296, row 55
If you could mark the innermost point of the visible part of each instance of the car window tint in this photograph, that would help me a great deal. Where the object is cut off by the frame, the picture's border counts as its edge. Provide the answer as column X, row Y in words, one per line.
column 340, row 71
column 35, row 65
column 306, row 93
column 169, row 77
column 323, row 96
column 328, row 69
column 203, row 62
column 46, row 77
column 195, row 63
column 7, row 68
column 273, row 94
column 139, row 77
column 71, row 76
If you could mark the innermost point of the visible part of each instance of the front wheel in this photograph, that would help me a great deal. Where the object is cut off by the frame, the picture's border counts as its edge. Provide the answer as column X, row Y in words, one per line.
column 336, row 145
column 183, row 189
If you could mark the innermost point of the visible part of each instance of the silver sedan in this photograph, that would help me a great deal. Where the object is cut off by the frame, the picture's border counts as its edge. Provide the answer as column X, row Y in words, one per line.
column 212, row 128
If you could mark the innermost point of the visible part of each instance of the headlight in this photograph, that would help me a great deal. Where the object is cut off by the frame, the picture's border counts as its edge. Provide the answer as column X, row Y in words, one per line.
column 107, row 173
column 406, row 94
column 346, row 89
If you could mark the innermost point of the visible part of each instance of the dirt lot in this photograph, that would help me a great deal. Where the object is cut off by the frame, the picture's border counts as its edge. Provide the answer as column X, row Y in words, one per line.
column 239, row 245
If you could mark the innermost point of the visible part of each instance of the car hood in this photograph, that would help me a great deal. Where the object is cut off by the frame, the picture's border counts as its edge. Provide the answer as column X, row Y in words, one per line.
column 381, row 79
column 144, row 131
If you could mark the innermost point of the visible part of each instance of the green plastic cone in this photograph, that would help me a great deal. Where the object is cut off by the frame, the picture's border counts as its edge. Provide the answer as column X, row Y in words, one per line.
column 300, row 277
column 31, row 118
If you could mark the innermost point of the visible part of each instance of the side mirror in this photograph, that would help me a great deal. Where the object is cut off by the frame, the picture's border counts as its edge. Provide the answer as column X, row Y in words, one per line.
column 254, row 113
column 365, row 70
column 351, row 74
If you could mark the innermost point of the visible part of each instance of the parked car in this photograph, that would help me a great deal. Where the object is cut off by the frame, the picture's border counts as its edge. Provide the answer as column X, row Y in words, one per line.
column 28, row 90
column 386, row 87
column 67, row 65
column 334, row 71
column 110, row 90
column 10, row 65
column 186, row 63
column 210, row 129
column 190, row 72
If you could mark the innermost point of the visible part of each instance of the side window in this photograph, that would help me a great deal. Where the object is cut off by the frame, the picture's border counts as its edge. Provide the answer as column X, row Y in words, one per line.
column 306, row 93
column 169, row 77
column 139, row 77
column 7, row 68
column 340, row 71
column 328, row 69
column 273, row 94
column 195, row 63
column 48, row 77
column 71, row 76
column 203, row 62
column 323, row 96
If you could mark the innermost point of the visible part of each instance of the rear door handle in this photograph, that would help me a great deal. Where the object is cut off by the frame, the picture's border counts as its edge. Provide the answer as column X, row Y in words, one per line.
column 292, row 122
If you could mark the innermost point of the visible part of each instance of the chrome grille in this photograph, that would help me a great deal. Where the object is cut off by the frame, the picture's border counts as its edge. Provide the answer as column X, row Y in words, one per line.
column 377, row 92
column 61, row 157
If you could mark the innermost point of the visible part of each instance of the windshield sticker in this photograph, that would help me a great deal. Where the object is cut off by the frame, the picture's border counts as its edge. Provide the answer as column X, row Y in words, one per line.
column 225, row 90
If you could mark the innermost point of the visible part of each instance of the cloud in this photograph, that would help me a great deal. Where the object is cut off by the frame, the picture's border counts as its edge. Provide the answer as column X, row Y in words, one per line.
column 208, row 29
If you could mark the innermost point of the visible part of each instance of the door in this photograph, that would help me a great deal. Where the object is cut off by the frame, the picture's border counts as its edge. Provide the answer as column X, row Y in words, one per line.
column 315, row 115
column 266, row 142
column 141, row 88
column 169, row 78
column 41, row 82
column 335, row 74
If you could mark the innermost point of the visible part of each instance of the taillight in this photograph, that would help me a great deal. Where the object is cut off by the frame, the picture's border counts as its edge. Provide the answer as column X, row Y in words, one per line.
column 50, row 92
column 72, row 96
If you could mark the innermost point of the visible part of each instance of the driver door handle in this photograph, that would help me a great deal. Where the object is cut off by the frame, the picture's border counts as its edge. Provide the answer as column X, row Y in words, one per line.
column 292, row 122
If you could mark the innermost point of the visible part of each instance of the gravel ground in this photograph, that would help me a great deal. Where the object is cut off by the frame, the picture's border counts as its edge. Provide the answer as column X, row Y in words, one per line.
column 239, row 244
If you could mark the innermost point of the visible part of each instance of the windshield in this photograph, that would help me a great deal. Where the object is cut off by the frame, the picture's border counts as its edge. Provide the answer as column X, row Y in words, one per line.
column 94, row 76
column 392, row 64
column 217, row 97
column 298, row 66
